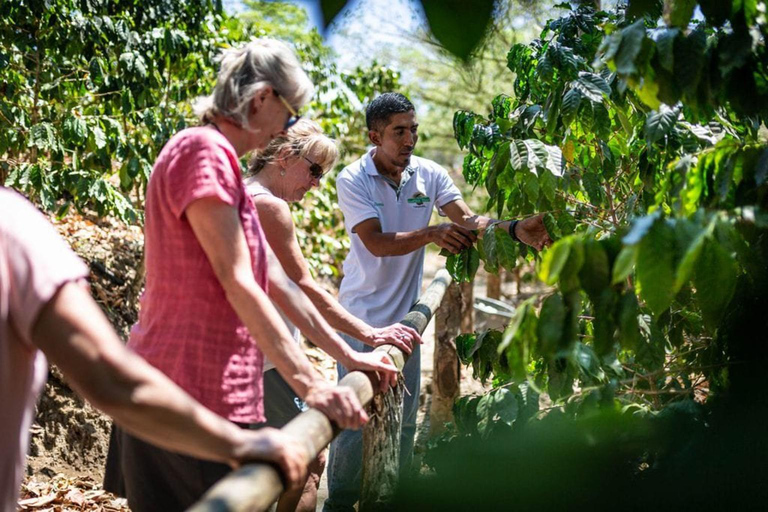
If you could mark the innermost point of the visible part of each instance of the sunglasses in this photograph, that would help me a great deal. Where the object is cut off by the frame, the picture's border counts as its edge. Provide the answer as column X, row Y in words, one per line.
column 315, row 169
column 294, row 115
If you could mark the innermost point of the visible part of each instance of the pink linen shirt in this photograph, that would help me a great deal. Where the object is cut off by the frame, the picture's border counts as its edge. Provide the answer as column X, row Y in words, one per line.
column 186, row 326
column 34, row 263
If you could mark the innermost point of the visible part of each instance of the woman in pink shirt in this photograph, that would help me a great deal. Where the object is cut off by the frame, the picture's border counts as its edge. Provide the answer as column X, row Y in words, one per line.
column 207, row 316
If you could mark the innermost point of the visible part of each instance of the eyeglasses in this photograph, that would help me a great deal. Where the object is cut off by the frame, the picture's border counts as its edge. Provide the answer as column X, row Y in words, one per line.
column 294, row 115
column 315, row 169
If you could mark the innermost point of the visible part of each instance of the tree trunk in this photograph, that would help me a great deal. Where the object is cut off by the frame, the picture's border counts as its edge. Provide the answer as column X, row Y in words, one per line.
column 446, row 371
column 381, row 450
column 493, row 285
column 467, row 307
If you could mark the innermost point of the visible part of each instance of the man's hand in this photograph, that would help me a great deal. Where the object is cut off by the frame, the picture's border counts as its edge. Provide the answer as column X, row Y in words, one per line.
column 399, row 335
column 339, row 403
column 533, row 232
column 452, row 237
column 272, row 445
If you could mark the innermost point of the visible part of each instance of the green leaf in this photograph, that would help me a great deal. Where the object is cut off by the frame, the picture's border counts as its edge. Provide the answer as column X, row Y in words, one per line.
column 473, row 262
column 466, row 347
column 761, row 169
column 678, row 13
column 330, row 8
column 463, row 126
column 659, row 123
column 689, row 60
column 548, row 185
column 592, row 86
column 716, row 11
column 457, row 25
column 631, row 43
column 489, row 249
column 594, row 274
column 570, row 106
column 500, row 405
column 655, row 266
column 518, row 155
column 624, row 263
column 42, row 137
column 592, row 184
column 75, row 130
column 531, row 187
column 665, row 47
column 715, row 281
column 554, row 260
column 566, row 222
column 640, row 228
column 506, row 249
column 688, row 262
column 629, row 332
column 552, row 228
column 550, row 326
column 640, row 8
column 517, row 339
column 99, row 139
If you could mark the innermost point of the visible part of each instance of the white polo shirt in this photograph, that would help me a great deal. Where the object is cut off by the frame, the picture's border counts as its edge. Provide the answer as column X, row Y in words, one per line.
column 381, row 290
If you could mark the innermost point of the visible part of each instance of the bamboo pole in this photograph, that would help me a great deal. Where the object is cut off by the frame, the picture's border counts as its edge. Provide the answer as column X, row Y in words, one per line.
column 255, row 487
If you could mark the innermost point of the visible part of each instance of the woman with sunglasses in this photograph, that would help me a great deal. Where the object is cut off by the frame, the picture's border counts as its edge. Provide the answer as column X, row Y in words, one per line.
column 282, row 173
column 207, row 317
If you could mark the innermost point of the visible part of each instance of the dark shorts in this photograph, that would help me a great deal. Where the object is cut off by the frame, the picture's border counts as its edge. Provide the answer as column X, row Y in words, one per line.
column 281, row 404
column 153, row 479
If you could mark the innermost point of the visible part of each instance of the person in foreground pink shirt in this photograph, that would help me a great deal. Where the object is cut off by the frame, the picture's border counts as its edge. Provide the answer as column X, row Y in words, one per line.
column 46, row 310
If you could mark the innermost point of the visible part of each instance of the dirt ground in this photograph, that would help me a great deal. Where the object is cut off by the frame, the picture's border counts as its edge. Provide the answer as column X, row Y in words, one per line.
column 69, row 438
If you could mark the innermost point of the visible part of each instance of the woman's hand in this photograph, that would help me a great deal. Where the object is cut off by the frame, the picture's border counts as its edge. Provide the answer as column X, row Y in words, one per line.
column 272, row 445
column 398, row 335
column 339, row 403
column 381, row 364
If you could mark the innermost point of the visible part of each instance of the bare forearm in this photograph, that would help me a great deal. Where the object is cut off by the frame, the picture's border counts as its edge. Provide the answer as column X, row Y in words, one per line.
column 272, row 335
column 334, row 313
column 399, row 243
column 480, row 223
column 75, row 336
column 302, row 312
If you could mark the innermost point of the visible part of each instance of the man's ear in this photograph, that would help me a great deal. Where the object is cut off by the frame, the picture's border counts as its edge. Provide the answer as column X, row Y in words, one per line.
column 374, row 137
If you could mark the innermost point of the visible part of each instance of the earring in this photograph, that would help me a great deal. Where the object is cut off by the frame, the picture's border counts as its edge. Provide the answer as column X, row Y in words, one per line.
column 282, row 173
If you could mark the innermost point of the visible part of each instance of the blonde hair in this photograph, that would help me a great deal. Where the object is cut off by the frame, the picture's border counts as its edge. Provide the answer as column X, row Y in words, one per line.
column 247, row 70
column 302, row 138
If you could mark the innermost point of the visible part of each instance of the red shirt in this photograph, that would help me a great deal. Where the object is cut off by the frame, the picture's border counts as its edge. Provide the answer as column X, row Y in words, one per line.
column 186, row 326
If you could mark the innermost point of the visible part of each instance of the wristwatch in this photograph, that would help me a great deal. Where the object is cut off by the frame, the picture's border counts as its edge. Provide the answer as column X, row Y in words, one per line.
column 512, row 226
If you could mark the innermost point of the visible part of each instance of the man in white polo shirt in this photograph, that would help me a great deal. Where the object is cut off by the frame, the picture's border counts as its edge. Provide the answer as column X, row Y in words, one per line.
column 387, row 198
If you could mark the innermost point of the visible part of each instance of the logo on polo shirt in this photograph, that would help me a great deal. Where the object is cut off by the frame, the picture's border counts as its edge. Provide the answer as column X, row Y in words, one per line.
column 419, row 200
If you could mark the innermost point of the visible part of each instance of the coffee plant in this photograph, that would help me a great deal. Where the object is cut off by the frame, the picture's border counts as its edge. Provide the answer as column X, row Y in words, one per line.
column 92, row 89
column 640, row 135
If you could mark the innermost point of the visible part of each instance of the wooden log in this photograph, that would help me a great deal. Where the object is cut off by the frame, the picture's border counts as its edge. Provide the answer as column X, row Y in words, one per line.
column 255, row 487
column 381, row 450
column 446, row 370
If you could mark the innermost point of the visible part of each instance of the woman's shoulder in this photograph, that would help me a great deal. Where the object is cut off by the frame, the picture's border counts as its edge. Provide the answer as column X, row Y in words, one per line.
column 200, row 138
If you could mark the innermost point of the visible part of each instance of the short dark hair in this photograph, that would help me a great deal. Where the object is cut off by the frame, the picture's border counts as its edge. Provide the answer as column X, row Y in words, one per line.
column 379, row 110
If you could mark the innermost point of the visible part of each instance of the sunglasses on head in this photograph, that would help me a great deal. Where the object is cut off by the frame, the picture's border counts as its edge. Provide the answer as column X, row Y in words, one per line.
column 315, row 169
column 294, row 115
